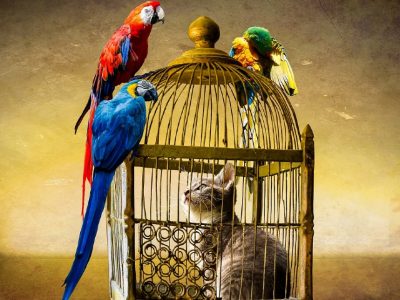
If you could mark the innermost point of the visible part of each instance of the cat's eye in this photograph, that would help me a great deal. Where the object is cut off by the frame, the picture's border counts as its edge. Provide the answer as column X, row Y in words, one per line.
column 202, row 186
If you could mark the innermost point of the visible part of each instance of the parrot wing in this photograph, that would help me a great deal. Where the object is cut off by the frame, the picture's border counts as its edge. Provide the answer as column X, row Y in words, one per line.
column 245, row 54
column 117, row 129
column 116, row 53
column 281, row 71
column 113, row 57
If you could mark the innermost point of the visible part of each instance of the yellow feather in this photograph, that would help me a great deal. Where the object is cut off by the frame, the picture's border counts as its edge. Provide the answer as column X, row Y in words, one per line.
column 276, row 58
column 281, row 71
column 245, row 54
column 132, row 89
column 287, row 69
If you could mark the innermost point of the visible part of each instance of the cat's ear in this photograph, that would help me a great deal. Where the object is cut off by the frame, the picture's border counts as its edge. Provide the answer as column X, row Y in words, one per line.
column 226, row 176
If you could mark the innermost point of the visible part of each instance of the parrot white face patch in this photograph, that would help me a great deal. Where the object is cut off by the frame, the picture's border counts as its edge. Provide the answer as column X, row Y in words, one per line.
column 143, row 87
column 147, row 14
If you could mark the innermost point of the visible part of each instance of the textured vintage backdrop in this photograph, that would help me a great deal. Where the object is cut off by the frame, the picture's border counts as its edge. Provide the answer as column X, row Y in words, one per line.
column 345, row 56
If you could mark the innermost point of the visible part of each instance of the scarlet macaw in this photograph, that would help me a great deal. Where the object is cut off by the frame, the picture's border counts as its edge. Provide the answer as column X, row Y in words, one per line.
column 120, row 59
column 117, row 127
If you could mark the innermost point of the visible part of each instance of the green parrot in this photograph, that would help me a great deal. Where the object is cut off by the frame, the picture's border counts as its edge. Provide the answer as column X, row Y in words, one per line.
column 259, row 51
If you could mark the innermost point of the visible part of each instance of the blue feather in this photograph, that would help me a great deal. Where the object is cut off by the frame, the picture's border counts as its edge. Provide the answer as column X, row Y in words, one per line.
column 118, row 126
column 97, row 199
column 107, row 88
column 232, row 52
column 250, row 94
column 125, row 46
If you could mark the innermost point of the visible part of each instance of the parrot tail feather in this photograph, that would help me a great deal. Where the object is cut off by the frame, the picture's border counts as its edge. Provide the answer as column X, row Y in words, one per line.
column 85, row 110
column 88, row 163
column 98, row 194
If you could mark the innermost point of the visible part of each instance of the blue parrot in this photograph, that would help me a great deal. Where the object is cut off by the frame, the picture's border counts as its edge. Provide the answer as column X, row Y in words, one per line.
column 118, row 126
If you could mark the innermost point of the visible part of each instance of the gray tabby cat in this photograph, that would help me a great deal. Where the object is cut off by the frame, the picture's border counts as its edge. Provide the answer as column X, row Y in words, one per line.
column 206, row 196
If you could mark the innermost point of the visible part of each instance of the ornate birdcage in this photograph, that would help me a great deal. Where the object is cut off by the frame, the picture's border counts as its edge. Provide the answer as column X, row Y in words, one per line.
column 201, row 123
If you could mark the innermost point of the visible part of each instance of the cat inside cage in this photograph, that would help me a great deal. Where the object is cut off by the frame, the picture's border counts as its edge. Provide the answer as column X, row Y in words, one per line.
column 253, row 262
column 202, row 243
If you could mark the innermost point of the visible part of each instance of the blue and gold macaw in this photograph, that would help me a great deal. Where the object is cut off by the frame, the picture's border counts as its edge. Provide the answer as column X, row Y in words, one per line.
column 118, row 127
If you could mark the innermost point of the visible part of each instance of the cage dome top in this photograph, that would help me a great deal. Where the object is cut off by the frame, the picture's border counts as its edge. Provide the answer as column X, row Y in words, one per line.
column 204, row 33
column 205, row 101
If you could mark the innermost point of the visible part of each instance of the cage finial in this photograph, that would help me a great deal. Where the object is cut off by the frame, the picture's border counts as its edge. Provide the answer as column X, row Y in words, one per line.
column 204, row 32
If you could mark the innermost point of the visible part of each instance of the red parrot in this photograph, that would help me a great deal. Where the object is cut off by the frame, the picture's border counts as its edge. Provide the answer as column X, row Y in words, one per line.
column 120, row 59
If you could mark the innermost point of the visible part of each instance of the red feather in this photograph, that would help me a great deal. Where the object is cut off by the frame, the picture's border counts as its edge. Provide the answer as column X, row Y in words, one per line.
column 88, row 164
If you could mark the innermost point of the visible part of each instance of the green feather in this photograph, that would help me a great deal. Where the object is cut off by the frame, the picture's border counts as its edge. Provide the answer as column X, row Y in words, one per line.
column 260, row 39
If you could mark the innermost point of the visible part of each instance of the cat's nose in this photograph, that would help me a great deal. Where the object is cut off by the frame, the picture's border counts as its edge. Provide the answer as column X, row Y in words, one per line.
column 187, row 192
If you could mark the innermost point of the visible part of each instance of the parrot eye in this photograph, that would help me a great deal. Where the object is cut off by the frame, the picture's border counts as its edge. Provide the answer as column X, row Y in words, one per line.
column 148, row 10
column 140, row 91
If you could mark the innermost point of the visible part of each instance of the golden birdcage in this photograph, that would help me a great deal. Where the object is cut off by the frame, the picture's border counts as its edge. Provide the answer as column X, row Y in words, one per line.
column 199, row 123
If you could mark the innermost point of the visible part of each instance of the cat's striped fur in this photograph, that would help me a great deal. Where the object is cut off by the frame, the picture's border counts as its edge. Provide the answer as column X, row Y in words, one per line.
column 250, row 257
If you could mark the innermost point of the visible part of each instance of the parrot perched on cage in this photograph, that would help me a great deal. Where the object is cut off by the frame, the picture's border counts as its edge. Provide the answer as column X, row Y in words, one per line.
column 120, row 59
column 259, row 51
column 118, row 126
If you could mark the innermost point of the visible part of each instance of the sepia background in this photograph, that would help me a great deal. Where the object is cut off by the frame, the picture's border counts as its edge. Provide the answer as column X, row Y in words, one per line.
column 345, row 56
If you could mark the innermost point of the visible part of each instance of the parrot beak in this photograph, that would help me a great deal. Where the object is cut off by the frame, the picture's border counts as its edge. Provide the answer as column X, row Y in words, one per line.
column 154, row 19
column 151, row 95
column 158, row 16
column 146, row 90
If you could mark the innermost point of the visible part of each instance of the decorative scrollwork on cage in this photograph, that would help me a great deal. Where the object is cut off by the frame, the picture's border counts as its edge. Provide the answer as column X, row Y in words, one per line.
column 180, row 259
